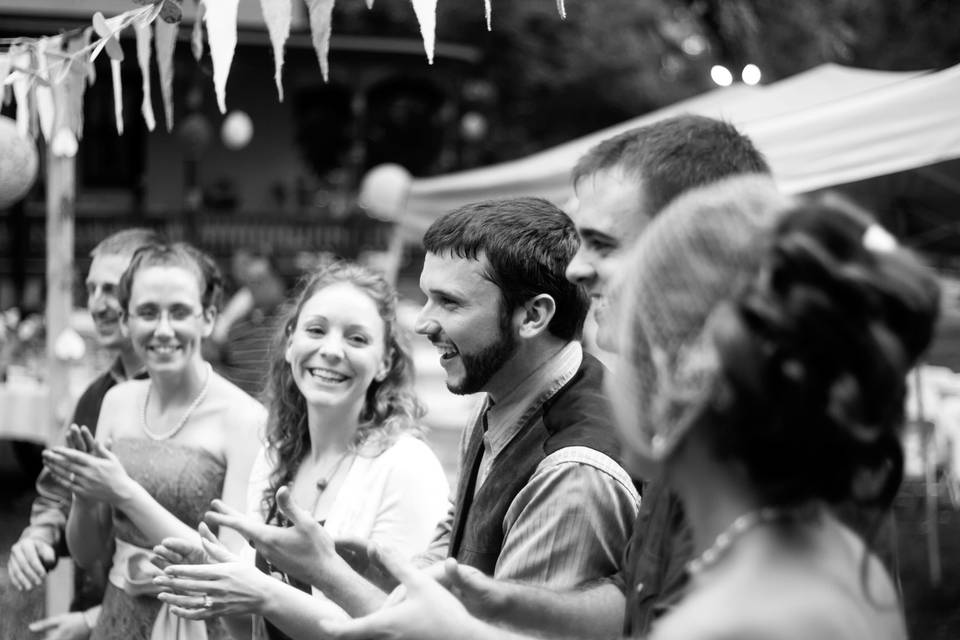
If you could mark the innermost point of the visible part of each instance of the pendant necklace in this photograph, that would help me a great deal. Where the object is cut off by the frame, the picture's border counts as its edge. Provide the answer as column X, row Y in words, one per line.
column 166, row 435
column 324, row 482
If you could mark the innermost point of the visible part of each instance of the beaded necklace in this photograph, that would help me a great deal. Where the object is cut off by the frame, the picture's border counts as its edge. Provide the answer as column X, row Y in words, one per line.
column 739, row 527
column 166, row 435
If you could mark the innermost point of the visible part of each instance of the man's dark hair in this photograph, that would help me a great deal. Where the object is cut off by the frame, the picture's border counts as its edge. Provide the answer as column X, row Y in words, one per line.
column 674, row 155
column 528, row 243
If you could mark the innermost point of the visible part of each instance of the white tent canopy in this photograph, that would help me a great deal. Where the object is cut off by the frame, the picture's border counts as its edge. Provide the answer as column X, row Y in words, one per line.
column 827, row 126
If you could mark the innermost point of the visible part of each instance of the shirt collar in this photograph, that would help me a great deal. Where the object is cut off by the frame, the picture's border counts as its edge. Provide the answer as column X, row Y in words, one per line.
column 507, row 416
column 119, row 375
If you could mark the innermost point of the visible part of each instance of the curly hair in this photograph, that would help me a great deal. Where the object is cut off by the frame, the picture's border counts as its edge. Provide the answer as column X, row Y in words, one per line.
column 178, row 254
column 815, row 355
column 390, row 408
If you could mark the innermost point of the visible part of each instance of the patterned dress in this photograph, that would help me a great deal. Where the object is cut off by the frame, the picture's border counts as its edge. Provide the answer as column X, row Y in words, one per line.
column 184, row 480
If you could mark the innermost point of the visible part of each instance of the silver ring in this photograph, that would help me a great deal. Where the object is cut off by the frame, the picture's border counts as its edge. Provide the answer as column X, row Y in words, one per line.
column 207, row 601
column 73, row 477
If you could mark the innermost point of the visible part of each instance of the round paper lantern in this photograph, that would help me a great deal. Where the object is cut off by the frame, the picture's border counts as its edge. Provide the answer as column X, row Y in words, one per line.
column 384, row 190
column 237, row 130
column 18, row 163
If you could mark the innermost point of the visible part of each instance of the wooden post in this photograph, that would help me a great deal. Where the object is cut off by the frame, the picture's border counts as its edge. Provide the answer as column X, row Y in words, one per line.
column 61, row 203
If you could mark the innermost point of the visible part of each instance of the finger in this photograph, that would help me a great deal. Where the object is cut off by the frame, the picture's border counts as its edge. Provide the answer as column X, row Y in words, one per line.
column 213, row 547
column 241, row 524
column 169, row 554
column 31, row 569
column 290, row 509
column 186, row 584
column 203, row 572
column 222, row 507
column 45, row 624
column 74, row 439
column 19, row 579
column 48, row 557
column 194, row 614
column 182, row 546
column 90, row 443
column 185, row 601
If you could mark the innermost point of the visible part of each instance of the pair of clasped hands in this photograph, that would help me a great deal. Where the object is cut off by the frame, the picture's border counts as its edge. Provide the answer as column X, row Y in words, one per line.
column 207, row 581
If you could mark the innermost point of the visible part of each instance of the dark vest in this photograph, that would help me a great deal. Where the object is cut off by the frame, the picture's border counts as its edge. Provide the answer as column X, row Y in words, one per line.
column 576, row 415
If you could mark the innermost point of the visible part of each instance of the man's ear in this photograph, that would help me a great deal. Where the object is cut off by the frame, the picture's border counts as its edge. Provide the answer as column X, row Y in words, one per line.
column 536, row 314
column 209, row 321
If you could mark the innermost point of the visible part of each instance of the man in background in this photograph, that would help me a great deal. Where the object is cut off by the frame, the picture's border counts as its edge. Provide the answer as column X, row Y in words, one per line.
column 35, row 553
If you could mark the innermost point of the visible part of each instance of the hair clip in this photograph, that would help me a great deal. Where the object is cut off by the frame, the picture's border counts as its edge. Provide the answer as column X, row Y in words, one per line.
column 878, row 239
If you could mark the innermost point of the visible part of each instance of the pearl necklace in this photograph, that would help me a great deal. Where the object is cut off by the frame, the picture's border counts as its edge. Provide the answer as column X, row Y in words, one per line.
column 166, row 435
column 739, row 527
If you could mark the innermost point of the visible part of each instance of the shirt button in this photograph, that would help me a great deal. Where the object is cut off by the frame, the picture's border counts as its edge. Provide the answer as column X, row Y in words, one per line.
column 639, row 587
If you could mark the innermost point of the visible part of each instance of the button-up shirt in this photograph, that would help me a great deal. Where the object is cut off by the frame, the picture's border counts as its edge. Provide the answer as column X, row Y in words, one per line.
column 570, row 523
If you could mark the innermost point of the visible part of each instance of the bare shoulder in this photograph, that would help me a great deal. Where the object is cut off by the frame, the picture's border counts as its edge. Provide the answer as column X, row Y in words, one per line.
column 244, row 415
column 785, row 605
column 119, row 403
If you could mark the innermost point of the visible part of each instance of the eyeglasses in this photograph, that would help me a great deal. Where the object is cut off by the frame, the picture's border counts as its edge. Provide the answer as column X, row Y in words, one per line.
column 175, row 314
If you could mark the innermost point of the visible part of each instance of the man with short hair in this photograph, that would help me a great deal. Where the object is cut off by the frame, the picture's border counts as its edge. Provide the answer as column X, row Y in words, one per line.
column 620, row 185
column 32, row 556
column 541, row 496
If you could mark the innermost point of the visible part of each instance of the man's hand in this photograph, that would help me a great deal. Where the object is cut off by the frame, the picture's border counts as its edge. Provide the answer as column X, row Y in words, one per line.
column 483, row 596
column 428, row 611
column 66, row 626
column 30, row 560
column 301, row 550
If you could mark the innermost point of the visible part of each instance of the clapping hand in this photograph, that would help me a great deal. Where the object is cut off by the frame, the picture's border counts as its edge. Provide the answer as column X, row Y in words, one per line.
column 30, row 559
column 179, row 551
column 227, row 586
column 301, row 550
column 87, row 468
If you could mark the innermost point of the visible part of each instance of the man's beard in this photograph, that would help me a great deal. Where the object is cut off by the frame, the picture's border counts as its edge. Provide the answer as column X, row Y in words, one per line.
column 479, row 367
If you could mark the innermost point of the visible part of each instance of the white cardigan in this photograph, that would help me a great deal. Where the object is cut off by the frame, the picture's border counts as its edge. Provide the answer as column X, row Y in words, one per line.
column 395, row 499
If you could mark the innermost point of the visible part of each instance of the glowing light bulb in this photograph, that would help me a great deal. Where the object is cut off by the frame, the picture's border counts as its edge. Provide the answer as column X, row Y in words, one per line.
column 750, row 74
column 721, row 75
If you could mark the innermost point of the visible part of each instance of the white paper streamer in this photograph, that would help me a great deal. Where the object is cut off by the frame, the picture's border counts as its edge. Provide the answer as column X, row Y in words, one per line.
column 220, row 18
column 165, row 40
column 144, row 33
column 426, row 11
column 277, row 15
column 117, row 94
column 321, row 13
column 44, row 97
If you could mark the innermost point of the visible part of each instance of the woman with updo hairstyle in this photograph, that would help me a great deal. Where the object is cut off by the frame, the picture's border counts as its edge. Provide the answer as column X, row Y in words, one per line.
column 764, row 381
column 343, row 449
column 165, row 446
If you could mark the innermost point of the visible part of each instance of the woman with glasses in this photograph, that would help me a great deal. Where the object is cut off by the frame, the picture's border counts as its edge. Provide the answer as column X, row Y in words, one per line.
column 165, row 446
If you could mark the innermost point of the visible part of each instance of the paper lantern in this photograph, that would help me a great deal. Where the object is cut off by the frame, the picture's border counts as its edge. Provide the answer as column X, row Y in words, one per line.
column 384, row 190
column 18, row 163
column 237, row 130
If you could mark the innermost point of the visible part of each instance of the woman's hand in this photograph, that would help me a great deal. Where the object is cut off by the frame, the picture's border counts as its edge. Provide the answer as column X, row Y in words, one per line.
column 229, row 586
column 88, row 469
column 179, row 551
column 302, row 550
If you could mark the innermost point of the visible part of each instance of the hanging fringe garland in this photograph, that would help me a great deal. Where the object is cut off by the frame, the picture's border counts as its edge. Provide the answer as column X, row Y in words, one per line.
column 47, row 75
